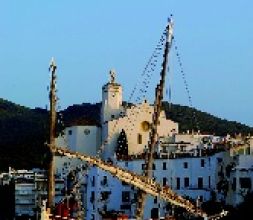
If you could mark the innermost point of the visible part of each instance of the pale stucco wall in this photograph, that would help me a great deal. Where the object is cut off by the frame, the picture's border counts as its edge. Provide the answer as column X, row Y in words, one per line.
column 132, row 124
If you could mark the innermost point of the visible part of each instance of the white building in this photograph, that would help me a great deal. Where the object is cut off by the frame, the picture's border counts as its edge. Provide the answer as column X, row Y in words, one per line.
column 80, row 138
column 192, row 175
column 241, row 179
column 31, row 190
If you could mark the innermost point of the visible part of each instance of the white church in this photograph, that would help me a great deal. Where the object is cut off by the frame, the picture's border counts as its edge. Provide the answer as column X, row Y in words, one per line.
column 102, row 138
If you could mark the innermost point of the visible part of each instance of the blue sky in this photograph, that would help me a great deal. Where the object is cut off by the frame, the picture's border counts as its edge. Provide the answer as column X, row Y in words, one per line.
column 88, row 38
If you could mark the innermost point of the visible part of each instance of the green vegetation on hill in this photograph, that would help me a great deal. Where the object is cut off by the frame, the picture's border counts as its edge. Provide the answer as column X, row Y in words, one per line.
column 85, row 113
column 191, row 118
column 24, row 131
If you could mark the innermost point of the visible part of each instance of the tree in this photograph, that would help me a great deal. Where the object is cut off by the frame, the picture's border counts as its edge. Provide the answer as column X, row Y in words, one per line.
column 122, row 145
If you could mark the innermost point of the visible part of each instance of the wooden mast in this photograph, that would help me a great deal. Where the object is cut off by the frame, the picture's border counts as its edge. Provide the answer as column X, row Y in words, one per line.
column 52, row 134
column 155, row 121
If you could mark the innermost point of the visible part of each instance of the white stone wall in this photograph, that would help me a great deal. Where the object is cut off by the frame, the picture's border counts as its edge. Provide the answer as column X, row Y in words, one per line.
column 132, row 124
column 84, row 139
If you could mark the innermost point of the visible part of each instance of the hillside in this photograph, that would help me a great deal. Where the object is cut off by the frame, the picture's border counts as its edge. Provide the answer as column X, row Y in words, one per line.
column 22, row 134
column 23, row 131
column 191, row 118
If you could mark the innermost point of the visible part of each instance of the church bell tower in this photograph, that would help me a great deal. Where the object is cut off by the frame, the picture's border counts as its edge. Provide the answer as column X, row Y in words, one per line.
column 111, row 99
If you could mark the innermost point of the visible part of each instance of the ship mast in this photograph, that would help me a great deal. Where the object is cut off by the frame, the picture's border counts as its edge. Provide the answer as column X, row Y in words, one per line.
column 155, row 120
column 52, row 134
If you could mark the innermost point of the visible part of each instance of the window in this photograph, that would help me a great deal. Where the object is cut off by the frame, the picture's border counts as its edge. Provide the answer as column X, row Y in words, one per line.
column 125, row 207
column 125, row 196
column 209, row 181
column 200, row 183
column 105, row 195
column 219, row 160
column 143, row 166
column 202, row 163
column 186, row 182
column 164, row 166
column 178, row 183
column 135, row 197
column 70, row 132
column 93, row 181
column 113, row 116
column 139, row 139
column 153, row 167
column 155, row 200
column 185, row 165
column 164, row 181
column 245, row 182
column 86, row 131
column 92, row 198
column 201, row 198
column 234, row 184
column 104, row 181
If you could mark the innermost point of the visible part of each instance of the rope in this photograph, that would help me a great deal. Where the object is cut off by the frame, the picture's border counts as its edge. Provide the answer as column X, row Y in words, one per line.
column 179, row 60
column 170, row 81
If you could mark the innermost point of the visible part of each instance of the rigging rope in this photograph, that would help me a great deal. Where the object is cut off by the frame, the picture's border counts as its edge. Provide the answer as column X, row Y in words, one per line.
column 179, row 60
column 170, row 80
column 146, row 74
column 149, row 68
